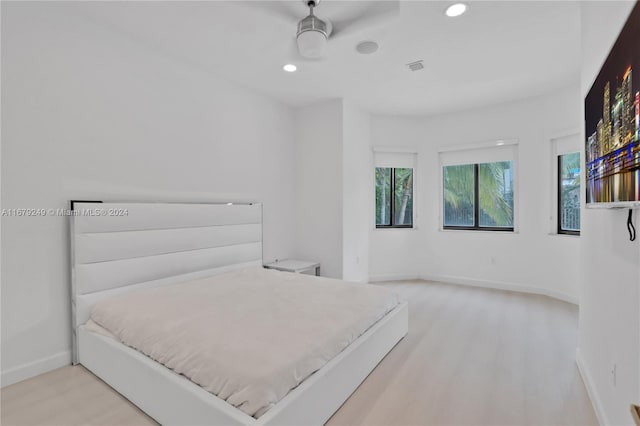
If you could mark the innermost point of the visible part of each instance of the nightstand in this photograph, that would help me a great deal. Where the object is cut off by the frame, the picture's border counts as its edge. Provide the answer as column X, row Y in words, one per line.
column 296, row 266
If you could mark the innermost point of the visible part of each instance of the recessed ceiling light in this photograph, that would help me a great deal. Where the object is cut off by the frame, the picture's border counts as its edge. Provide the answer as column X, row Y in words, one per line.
column 500, row 143
column 456, row 10
column 290, row 68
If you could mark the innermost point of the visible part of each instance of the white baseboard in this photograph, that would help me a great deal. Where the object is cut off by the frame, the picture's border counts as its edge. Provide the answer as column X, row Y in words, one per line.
column 501, row 286
column 34, row 368
column 591, row 389
column 393, row 277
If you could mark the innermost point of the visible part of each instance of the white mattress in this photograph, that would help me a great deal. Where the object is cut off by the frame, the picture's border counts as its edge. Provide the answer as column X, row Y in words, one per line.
column 249, row 336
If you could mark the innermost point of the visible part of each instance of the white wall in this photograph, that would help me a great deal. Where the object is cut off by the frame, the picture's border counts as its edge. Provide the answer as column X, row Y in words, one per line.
column 357, row 201
column 333, row 174
column 609, row 332
column 90, row 114
column 318, row 185
column 530, row 259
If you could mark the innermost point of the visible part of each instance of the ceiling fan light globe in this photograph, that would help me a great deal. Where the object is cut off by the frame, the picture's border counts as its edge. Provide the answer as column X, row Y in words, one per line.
column 312, row 43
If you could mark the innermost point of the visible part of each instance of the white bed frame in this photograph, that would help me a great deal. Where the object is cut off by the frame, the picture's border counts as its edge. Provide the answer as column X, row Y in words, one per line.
column 156, row 244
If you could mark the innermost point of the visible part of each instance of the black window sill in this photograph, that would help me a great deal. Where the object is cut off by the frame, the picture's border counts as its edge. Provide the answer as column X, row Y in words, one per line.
column 564, row 232
column 476, row 228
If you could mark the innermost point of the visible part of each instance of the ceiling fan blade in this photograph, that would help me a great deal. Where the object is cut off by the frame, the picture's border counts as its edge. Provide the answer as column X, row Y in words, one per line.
column 379, row 13
column 283, row 10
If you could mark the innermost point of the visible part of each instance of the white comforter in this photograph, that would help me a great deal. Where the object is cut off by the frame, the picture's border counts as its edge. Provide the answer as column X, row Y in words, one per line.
column 249, row 336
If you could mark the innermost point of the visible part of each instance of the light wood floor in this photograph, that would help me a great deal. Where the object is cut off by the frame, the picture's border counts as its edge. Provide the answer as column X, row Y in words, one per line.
column 472, row 357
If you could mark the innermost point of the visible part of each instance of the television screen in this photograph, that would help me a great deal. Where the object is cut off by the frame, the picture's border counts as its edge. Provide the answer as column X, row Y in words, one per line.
column 612, row 120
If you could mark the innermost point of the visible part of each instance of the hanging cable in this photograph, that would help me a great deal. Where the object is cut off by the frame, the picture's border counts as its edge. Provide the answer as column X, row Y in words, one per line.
column 630, row 227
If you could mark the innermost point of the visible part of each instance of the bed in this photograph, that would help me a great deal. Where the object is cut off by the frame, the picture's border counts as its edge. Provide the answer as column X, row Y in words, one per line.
column 120, row 251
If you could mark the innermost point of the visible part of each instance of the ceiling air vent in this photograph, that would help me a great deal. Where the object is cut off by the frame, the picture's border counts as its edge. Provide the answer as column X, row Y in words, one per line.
column 415, row 66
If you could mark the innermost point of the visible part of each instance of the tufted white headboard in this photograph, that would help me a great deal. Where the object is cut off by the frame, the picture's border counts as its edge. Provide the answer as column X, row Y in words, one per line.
column 117, row 247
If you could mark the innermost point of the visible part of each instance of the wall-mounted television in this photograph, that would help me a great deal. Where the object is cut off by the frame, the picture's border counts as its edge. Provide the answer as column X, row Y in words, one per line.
column 612, row 124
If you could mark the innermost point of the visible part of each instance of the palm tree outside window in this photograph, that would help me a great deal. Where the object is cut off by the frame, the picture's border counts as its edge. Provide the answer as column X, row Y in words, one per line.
column 394, row 197
column 478, row 196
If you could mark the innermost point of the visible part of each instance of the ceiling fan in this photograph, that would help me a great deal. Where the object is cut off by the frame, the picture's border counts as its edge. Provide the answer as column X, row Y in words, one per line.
column 314, row 33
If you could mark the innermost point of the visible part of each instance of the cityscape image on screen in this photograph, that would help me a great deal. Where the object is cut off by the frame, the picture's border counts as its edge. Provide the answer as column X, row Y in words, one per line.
column 612, row 120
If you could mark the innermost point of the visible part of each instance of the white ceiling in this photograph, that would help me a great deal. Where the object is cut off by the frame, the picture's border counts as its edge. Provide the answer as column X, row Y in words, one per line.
column 496, row 52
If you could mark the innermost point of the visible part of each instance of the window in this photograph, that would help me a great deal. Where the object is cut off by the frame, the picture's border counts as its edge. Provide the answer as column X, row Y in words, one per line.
column 478, row 196
column 394, row 197
column 565, row 178
column 569, row 193
column 395, row 174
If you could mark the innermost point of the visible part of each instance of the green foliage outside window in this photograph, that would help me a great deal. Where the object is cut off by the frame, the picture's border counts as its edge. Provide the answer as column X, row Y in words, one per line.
column 569, row 193
column 394, row 197
column 493, row 192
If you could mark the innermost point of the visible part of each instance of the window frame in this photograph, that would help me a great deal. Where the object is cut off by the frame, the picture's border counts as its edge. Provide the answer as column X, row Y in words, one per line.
column 559, row 229
column 392, row 197
column 476, row 206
